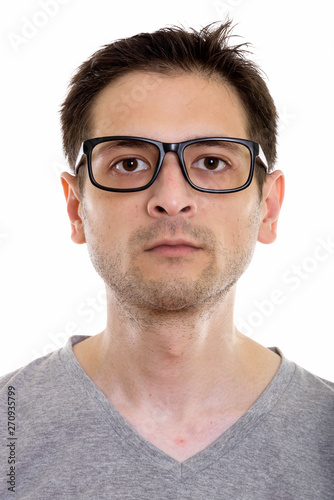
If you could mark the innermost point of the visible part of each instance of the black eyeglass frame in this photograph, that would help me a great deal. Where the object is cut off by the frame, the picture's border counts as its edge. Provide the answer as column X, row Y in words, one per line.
column 165, row 147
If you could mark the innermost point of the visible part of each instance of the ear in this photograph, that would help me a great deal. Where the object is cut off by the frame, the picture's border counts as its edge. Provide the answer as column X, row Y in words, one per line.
column 73, row 201
column 272, row 199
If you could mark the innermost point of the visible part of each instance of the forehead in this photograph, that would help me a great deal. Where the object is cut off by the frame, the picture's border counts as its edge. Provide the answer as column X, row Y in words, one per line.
column 172, row 107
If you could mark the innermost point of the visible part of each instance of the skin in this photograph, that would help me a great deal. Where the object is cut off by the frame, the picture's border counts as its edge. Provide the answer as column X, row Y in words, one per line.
column 171, row 257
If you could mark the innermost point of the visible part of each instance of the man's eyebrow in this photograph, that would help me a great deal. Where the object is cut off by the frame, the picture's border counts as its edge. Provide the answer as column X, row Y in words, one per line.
column 125, row 143
column 234, row 146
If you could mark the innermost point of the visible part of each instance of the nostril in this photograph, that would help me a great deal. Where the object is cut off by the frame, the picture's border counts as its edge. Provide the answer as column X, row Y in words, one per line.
column 162, row 210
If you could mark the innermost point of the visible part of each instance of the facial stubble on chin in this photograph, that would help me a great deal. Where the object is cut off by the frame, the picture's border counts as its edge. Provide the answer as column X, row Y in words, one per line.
column 172, row 292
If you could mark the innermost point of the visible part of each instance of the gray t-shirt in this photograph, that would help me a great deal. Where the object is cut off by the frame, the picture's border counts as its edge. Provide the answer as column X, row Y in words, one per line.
column 68, row 442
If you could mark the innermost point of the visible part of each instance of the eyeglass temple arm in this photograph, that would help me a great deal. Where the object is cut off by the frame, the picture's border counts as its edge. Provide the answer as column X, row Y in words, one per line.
column 263, row 159
column 79, row 159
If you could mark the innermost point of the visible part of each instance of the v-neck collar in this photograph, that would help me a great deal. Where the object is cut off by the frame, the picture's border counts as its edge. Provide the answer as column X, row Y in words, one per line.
column 92, row 396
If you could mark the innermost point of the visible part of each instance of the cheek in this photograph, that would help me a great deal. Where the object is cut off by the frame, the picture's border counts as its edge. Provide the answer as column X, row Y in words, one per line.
column 112, row 219
column 235, row 219
column 113, row 207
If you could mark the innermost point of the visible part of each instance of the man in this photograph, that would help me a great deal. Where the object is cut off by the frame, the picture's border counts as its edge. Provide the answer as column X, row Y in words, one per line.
column 171, row 139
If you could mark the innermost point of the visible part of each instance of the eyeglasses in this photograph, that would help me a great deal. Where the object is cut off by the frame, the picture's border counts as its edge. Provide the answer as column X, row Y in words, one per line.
column 211, row 164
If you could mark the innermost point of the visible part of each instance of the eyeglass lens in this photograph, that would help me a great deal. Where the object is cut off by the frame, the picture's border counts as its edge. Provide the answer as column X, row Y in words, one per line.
column 131, row 163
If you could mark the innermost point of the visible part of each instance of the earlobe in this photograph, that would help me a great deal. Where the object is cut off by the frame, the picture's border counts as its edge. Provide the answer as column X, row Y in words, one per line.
column 272, row 199
column 73, row 202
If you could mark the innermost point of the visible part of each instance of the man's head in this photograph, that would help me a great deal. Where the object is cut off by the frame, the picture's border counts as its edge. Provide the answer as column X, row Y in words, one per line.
column 169, row 246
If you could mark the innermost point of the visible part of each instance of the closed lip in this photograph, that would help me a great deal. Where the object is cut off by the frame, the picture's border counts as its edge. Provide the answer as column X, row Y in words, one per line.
column 173, row 243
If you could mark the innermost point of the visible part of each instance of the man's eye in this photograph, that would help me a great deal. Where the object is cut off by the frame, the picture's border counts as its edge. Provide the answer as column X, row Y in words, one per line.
column 131, row 165
column 210, row 163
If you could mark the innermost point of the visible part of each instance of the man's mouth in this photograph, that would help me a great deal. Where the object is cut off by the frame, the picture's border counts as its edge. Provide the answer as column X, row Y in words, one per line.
column 173, row 248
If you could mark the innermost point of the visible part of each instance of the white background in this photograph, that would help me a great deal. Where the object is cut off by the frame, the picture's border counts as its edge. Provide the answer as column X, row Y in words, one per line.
column 48, row 287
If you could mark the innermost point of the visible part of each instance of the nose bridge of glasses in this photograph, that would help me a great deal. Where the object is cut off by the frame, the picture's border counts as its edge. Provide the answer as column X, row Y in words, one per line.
column 172, row 147
column 176, row 148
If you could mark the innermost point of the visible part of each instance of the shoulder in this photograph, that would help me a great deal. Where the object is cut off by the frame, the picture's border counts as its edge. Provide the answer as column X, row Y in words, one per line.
column 42, row 372
column 314, row 393
column 314, row 387
column 307, row 405
column 30, row 376
column 303, row 383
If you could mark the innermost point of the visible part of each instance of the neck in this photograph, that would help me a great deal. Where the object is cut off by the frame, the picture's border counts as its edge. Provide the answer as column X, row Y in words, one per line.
column 174, row 360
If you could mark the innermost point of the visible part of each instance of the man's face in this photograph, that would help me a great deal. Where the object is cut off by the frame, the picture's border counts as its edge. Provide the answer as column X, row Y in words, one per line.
column 169, row 247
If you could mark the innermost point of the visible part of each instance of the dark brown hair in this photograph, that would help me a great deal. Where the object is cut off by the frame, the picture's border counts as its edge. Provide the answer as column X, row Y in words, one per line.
column 169, row 51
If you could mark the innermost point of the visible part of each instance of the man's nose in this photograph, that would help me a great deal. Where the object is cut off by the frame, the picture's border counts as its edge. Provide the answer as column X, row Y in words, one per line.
column 171, row 194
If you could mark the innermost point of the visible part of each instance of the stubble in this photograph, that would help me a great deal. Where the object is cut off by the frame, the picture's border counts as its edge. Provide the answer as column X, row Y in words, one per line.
column 173, row 291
